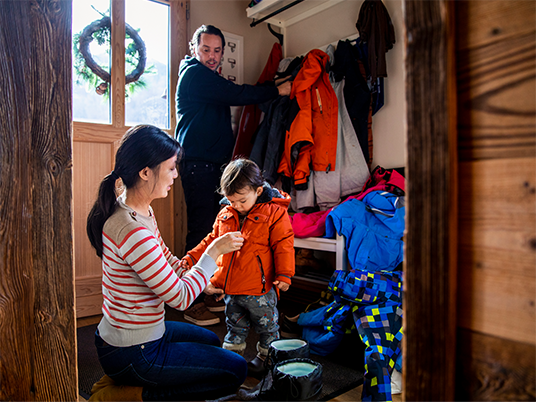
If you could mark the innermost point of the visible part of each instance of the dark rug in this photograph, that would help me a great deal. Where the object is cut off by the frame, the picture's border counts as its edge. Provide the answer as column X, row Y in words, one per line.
column 342, row 370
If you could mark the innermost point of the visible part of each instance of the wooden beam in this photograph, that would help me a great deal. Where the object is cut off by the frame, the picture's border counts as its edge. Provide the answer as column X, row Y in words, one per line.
column 118, row 63
column 38, row 359
column 430, row 260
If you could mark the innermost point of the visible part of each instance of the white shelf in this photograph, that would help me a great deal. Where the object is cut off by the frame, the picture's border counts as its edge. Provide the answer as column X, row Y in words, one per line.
column 336, row 246
column 296, row 13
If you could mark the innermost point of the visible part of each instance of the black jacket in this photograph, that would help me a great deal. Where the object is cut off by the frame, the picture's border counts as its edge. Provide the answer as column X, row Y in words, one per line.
column 203, row 110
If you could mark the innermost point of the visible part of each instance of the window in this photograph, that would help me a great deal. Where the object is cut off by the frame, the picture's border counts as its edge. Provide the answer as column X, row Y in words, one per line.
column 146, row 66
column 88, row 104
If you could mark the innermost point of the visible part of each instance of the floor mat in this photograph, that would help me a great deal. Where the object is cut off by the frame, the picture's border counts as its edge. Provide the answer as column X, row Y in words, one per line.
column 342, row 370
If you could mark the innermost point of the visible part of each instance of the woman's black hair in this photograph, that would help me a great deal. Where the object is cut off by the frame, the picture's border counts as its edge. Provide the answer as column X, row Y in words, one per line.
column 239, row 174
column 205, row 29
column 142, row 146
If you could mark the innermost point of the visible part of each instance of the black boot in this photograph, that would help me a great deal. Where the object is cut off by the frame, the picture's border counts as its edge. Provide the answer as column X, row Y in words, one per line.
column 296, row 380
column 286, row 349
column 257, row 367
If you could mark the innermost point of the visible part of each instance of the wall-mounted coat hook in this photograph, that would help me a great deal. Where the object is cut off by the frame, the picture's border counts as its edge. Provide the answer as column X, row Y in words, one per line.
column 277, row 35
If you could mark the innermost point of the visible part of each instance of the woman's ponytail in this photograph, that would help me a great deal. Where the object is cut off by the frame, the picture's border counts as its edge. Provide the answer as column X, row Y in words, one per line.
column 102, row 209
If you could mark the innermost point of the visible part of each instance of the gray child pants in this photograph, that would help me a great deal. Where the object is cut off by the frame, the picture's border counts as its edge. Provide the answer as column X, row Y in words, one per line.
column 242, row 311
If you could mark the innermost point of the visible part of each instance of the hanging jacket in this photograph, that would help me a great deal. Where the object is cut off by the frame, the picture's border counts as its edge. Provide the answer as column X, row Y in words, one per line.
column 311, row 140
column 357, row 95
column 375, row 28
column 268, row 251
column 351, row 171
column 251, row 114
column 269, row 140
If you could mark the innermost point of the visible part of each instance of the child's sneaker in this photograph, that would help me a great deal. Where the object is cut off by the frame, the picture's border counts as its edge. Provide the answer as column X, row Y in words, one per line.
column 199, row 315
column 213, row 305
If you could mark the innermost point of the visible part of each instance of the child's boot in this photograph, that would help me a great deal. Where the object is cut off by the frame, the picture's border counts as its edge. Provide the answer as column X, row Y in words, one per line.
column 257, row 367
column 295, row 380
column 286, row 349
column 235, row 347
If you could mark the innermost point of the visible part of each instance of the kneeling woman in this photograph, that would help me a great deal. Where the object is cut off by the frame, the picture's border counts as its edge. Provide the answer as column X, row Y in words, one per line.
column 143, row 356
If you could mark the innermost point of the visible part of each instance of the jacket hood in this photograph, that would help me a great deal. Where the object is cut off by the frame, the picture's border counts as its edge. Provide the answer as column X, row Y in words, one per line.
column 269, row 193
column 189, row 61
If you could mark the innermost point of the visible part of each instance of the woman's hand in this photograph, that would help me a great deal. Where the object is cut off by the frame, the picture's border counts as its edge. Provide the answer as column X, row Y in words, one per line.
column 213, row 290
column 227, row 243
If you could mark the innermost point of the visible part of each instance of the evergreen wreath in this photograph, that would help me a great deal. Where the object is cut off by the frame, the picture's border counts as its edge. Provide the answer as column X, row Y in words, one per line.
column 135, row 55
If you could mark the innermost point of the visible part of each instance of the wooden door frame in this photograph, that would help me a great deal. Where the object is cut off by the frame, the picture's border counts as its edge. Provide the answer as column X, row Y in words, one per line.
column 430, row 274
column 431, row 202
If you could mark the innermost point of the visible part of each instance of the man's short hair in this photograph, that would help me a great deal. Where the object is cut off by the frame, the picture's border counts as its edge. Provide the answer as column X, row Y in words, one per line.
column 205, row 29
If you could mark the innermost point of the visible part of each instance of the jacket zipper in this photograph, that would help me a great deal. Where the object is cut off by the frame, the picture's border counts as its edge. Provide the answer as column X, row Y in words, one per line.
column 232, row 258
column 263, row 278
column 319, row 100
column 228, row 270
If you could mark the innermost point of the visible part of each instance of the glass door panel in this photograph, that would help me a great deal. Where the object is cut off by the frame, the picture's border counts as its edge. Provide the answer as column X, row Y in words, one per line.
column 147, row 97
column 91, row 61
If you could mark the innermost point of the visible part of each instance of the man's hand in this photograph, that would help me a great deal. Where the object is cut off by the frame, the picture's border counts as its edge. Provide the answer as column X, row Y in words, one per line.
column 282, row 286
column 213, row 290
column 284, row 88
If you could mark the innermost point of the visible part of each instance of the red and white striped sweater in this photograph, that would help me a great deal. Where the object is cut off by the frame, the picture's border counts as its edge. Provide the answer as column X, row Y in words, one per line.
column 139, row 275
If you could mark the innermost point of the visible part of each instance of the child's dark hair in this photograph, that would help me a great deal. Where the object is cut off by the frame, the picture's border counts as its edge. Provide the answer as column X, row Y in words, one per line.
column 205, row 29
column 240, row 174
column 142, row 146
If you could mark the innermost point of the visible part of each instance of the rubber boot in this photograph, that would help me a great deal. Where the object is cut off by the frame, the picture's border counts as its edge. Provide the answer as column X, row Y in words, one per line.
column 286, row 349
column 257, row 367
column 296, row 380
column 290, row 380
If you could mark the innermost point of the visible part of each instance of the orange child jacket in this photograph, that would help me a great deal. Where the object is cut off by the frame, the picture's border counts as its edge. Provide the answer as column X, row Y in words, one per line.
column 315, row 125
column 268, row 251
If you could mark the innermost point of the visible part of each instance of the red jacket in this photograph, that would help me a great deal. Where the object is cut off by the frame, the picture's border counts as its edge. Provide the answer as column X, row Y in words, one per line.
column 315, row 126
column 251, row 114
column 268, row 251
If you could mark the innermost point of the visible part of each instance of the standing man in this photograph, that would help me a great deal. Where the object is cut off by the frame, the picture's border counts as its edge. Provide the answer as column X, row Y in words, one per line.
column 205, row 132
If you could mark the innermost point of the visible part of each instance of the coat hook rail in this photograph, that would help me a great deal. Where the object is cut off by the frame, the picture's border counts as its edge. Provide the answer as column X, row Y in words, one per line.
column 257, row 22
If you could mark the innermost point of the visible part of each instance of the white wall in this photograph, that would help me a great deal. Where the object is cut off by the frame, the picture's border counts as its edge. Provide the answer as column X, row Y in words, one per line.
column 326, row 27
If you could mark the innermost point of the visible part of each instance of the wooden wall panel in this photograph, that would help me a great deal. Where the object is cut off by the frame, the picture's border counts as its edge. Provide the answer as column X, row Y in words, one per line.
column 496, row 60
column 491, row 369
column 91, row 162
column 496, row 79
column 37, row 320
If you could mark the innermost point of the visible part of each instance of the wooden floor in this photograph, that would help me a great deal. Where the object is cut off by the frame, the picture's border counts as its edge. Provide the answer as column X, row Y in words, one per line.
column 350, row 396
column 353, row 395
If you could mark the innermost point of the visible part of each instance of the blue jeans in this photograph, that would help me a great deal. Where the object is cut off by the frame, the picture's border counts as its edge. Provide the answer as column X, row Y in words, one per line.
column 187, row 363
column 200, row 182
column 260, row 311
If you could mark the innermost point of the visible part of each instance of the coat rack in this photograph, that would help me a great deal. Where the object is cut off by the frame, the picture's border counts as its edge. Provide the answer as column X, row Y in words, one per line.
column 280, row 10
column 276, row 34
